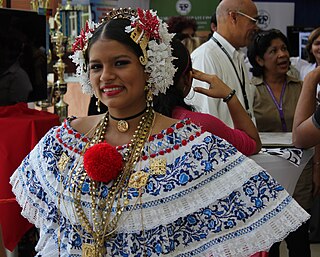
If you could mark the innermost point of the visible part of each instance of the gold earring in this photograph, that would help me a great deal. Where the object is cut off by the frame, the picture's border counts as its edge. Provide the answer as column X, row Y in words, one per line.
column 98, row 105
column 149, row 96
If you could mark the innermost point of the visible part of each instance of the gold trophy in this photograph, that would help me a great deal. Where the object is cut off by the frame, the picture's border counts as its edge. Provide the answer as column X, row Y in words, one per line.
column 59, row 40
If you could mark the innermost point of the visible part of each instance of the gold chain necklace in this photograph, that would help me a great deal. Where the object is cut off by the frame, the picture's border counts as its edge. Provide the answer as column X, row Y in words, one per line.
column 104, row 221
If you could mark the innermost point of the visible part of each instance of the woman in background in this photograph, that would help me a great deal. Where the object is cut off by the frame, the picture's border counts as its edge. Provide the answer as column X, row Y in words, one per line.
column 244, row 136
column 304, row 67
column 191, row 43
column 313, row 55
column 306, row 124
column 275, row 100
column 182, row 25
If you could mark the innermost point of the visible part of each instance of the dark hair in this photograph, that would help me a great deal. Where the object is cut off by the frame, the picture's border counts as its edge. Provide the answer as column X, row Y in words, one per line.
column 312, row 37
column 176, row 24
column 114, row 29
column 262, row 40
column 214, row 21
column 165, row 103
column 181, row 36
column 214, row 18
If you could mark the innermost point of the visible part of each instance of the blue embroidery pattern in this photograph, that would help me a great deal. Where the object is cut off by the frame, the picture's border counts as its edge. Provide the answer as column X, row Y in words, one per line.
column 201, row 160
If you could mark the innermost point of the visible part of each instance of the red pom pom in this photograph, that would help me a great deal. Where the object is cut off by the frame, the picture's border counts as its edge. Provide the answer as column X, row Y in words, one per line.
column 102, row 162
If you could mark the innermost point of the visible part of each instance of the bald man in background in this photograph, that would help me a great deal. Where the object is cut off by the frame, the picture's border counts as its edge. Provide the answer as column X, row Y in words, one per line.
column 221, row 55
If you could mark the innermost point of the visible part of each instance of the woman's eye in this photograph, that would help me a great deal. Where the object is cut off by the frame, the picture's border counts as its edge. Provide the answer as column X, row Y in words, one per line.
column 122, row 62
column 94, row 66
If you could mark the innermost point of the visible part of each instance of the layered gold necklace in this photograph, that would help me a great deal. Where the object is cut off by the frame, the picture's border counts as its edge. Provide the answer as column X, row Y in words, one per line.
column 106, row 212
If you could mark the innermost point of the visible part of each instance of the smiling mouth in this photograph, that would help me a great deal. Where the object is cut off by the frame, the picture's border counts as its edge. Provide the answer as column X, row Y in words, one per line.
column 111, row 89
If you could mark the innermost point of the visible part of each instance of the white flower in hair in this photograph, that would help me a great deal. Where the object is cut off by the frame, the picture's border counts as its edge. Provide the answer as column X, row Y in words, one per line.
column 147, row 30
column 148, row 26
column 79, row 47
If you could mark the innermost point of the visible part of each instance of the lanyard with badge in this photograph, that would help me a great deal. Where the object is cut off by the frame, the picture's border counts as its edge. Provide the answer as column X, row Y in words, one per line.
column 242, row 83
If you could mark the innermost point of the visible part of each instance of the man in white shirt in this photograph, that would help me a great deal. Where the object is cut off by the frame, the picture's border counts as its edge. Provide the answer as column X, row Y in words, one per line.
column 220, row 55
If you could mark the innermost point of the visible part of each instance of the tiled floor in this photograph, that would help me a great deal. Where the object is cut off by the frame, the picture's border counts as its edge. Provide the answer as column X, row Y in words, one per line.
column 315, row 250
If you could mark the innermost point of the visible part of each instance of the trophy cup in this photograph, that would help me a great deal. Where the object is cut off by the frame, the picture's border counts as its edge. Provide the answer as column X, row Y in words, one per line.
column 59, row 41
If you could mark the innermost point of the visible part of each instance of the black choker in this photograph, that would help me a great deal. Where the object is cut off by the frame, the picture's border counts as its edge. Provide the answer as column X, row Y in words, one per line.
column 123, row 125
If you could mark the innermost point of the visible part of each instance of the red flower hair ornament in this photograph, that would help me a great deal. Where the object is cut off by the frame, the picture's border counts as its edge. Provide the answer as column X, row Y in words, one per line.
column 102, row 162
column 79, row 47
column 148, row 22
column 149, row 32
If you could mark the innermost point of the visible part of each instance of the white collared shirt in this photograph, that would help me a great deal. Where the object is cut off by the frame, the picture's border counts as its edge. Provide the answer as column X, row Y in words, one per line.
column 210, row 59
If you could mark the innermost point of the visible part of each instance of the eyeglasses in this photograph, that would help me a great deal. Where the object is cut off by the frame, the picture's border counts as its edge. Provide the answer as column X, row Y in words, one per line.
column 255, row 20
column 265, row 33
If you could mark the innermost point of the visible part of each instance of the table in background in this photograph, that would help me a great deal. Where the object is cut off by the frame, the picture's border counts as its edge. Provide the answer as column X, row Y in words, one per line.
column 285, row 172
column 20, row 130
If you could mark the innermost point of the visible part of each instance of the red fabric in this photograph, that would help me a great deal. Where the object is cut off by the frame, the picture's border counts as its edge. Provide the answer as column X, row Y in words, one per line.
column 236, row 137
column 260, row 254
column 20, row 130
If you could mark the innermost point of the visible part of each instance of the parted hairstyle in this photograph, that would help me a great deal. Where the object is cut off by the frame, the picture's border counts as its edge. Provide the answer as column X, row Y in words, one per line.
column 114, row 29
column 312, row 37
column 262, row 40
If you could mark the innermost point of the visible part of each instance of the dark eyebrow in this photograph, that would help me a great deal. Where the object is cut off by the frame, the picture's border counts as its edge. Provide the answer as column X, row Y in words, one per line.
column 114, row 58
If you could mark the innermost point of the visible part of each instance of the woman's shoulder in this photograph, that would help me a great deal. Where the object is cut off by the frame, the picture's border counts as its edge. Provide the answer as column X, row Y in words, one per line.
column 162, row 123
column 196, row 117
column 256, row 81
column 302, row 66
column 71, row 135
column 293, row 81
column 84, row 124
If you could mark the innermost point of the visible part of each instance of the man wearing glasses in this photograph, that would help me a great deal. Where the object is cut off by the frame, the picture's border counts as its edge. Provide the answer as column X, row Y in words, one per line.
column 237, row 24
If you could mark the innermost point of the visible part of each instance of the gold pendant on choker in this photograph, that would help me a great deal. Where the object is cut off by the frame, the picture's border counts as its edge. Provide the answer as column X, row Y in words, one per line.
column 122, row 126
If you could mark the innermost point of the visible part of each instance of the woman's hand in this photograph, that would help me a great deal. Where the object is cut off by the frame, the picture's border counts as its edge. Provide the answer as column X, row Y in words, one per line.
column 217, row 89
column 240, row 118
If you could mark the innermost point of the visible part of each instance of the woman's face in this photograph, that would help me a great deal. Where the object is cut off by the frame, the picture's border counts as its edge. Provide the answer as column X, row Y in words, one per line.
column 315, row 49
column 276, row 59
column 117, row 76
column 189, row 31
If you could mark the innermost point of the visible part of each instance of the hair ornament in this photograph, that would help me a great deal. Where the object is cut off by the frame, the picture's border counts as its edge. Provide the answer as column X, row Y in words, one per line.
column 144, row 26
column 121, row 13
column 79, row 48
column 146, row 30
